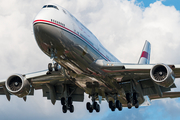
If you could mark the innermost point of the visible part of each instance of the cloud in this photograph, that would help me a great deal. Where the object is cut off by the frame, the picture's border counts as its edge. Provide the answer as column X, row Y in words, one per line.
column 126, row 25
column 122, row 26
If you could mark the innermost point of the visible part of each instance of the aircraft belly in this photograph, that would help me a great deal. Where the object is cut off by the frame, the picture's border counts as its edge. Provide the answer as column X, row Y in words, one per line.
column 92, row 85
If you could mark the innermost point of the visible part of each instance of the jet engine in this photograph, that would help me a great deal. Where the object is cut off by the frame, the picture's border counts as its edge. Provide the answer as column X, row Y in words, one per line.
column 17, row 85
column 162, row 75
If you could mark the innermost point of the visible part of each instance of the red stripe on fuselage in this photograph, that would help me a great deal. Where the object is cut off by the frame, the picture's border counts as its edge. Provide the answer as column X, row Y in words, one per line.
column 145, row 54
column 71, row 32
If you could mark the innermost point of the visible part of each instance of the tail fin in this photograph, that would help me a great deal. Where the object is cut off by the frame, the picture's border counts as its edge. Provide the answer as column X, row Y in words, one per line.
column 145, row 55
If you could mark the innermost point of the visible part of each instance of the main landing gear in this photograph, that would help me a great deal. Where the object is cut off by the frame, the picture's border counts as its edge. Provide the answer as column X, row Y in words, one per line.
column 115, row 105
column 132, row 100
column 94, row 106
column 67, row 104
column 67, row 99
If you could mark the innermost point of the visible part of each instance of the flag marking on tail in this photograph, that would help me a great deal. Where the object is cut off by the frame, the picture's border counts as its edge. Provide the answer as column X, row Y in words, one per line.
column 145, row 55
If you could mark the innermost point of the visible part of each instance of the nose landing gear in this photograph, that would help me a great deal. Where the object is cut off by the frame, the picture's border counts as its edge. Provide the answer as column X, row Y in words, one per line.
column 54, row 66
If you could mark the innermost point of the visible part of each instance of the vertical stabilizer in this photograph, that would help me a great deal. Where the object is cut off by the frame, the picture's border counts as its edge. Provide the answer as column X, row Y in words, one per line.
column 145, row 55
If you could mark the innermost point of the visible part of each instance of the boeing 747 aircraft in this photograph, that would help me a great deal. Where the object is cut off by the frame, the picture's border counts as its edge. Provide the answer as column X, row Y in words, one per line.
column 82, row 65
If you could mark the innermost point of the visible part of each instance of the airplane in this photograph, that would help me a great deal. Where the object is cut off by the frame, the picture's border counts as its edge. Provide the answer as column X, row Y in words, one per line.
column 81, row 64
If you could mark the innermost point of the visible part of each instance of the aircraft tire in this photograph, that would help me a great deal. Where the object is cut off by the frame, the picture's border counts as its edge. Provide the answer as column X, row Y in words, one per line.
column 71, row 108
column 90, row 110
column 64, row 109
column 56, row 66
column 95, row 105
column 113, row 108
column 137, row 105
column 62, row 101
column 98, row 108
column 129, row 105
column 110, row 104
column 70, row 101
column 88, row 105
column 118, row 105
column 50, row 67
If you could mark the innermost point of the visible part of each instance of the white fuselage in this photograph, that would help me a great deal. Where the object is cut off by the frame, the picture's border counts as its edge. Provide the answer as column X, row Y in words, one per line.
column 63, row 19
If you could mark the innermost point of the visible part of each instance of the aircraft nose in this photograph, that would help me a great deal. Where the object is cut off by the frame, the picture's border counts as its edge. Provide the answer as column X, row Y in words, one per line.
column 48, row 37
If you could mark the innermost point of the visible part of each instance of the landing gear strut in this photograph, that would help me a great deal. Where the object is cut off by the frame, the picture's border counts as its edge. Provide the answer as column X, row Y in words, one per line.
column 118, row 105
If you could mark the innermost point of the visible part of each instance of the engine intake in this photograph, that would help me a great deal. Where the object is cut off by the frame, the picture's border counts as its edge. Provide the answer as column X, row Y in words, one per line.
column 162, row 75
column 18, row 85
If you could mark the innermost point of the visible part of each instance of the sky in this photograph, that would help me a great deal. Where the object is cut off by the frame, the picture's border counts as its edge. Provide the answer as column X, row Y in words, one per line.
column 122, row 26
column 175, row 3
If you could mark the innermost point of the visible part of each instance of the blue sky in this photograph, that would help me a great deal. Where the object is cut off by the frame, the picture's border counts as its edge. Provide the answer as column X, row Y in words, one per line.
column 175, row 3
column 122, row 27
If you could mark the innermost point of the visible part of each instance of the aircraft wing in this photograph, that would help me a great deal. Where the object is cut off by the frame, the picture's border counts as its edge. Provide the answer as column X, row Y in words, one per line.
column 121, row 69
column 144, row 77
column 53, row 85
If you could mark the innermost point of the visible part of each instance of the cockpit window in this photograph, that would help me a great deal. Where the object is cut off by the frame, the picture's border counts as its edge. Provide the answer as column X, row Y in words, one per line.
column 45, row 6
column 50, row 6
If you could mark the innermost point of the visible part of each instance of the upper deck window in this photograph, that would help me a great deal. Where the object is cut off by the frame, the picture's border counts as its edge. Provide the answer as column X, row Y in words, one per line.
column 64, row 11
column 50, row 6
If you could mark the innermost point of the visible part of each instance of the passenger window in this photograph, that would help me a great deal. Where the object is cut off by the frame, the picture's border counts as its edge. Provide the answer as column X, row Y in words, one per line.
column 64, row 11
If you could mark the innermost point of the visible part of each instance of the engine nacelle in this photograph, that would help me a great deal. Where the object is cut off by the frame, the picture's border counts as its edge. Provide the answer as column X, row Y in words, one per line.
column 17, row 85
column 162, row 75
